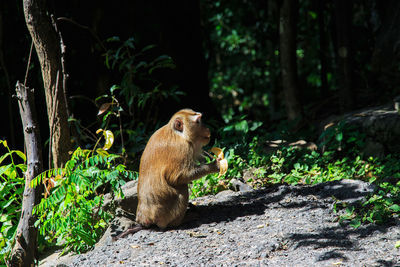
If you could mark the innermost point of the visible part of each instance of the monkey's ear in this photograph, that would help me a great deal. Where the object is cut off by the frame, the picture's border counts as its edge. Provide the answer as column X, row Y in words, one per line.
column 178, row 124
column 197, row 117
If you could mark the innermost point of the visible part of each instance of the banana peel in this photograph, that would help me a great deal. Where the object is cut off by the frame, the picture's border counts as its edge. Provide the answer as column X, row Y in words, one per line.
column 223, row 163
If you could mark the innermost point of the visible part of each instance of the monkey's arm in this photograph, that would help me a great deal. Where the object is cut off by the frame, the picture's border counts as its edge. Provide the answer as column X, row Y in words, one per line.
column 197, row 172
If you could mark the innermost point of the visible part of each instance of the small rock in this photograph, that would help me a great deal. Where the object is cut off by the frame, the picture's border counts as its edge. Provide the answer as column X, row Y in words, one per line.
column 130, row 200
column 348, row 190
column 237, row 185
column 225, row 196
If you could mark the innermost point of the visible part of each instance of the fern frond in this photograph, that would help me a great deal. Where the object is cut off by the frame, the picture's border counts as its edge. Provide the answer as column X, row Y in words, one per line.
column 56, row 196
column 44, row 175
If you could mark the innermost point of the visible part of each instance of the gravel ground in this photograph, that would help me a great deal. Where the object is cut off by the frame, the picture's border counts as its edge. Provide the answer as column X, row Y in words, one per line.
column 277, row 226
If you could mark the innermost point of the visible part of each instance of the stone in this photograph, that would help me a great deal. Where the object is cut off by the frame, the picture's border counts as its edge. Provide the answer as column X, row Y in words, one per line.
column 129, row 202
column 239, row 186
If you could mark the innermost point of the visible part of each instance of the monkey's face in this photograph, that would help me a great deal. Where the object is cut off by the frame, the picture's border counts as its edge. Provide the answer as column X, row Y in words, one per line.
column 204, row 135
column 188, row 124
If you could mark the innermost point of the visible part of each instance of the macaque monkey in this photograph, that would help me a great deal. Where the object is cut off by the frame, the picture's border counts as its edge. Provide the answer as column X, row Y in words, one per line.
column 168, row 164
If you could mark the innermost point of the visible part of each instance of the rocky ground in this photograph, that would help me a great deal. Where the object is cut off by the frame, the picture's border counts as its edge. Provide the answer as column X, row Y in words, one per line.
column 277, row 226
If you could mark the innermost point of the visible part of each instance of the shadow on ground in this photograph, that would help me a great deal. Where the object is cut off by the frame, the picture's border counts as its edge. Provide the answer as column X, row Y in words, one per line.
column 341, row 238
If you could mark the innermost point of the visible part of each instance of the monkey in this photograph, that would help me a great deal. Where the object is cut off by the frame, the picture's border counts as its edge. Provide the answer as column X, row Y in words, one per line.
column 168, row 164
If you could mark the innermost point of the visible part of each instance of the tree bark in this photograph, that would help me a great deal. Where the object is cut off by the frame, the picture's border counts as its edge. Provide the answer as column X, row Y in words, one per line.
column 385, row 57
column 343, row 13
column 4, row 68
column 23, row 252
column 287, row 42
column 323, row 48
column 181, row 23
column 47, row 47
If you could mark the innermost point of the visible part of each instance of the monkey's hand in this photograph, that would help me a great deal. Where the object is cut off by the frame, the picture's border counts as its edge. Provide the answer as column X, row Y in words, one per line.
column 215, row 161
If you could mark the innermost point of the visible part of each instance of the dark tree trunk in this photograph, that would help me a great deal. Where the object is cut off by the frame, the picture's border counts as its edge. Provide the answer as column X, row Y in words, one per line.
column 323, row 48
column 343, row 14
column 47, row 47
column 287, row 42
column 184, row 43
column 4, row 69
column 386, row 53
column 23, row 252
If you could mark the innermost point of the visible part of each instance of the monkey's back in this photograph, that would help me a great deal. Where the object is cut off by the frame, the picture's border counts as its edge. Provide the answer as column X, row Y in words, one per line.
column 161, row 199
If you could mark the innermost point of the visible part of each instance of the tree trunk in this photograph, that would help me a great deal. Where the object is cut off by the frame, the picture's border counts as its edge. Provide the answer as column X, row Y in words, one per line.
column 4, row 69
column 343, row 13
column 23, row 252
column 47, row 47
column 287, row 42
column 323, row 48
column 386, row 56
column 181, row 23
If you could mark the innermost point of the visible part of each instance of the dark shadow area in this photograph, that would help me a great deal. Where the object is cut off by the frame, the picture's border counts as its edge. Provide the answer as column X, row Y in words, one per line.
column 344, row 238
column 333, row 254
column 340, row 238
column 384, row 263
column 233, row 206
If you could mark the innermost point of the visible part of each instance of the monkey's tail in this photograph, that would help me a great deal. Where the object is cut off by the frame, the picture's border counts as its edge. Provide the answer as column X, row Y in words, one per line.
column 132, row 230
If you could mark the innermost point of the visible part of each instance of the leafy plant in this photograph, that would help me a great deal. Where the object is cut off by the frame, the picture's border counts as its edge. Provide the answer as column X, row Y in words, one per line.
column 139, row 91
column 139, row 85
column 12, row 182
column 384, row 202
column 342, row 137
column 341, row 159
column 125, row 108
column 71, row 214
column 209, row 184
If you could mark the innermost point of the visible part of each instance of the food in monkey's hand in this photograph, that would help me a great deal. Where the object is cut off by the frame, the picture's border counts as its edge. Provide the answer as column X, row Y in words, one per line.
column 223, row 163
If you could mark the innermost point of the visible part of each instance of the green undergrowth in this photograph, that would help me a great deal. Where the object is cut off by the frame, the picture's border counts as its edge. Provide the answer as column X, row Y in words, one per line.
column 71, row 214
column 12, row 182
column 342, row 159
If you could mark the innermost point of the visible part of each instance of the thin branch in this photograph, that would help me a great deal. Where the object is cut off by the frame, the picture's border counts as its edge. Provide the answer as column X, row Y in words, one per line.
column 85, row 28
column 64, row 73
column 52, row 124
column 29, row 63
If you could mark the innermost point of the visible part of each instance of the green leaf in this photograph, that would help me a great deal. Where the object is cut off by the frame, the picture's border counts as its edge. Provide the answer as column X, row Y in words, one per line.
column 242, row 126
column 312, row 14
column 20, row 154
column 3, row 157
column 4, row 218
column 395, row 208
column 256, row 125
column 397, row 245
column 339, row 137
column 355, row 223
column 4, row 169
column 113, row 88
column 8, row 203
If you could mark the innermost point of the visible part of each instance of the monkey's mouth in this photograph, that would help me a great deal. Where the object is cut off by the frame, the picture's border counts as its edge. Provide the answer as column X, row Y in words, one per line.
column 207, row 138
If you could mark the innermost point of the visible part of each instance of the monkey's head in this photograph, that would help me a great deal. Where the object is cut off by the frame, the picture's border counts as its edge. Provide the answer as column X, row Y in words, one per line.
column 187, row 123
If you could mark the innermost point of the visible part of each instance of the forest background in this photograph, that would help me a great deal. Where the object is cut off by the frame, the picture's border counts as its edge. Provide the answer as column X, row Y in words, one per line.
column 257, row 70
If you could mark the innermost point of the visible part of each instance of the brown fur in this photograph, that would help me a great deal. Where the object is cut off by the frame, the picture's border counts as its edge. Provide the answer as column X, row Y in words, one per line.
column 167, row 165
